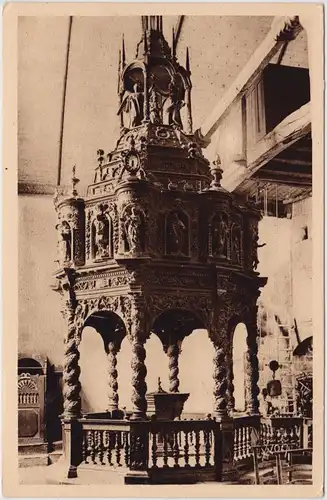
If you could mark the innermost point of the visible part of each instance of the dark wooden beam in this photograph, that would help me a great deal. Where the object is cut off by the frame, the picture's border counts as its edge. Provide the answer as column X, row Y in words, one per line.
column 178, row 29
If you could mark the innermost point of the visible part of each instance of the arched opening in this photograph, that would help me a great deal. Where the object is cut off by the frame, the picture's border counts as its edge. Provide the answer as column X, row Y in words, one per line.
column 239, row 350
column 184, row 337
column 100, row 329
column 196, row 369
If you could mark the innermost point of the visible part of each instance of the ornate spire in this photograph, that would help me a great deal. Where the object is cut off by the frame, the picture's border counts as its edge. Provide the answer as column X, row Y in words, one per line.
column 119, row 72
column 123, row 53
column 74, row 181
column 187, row 64
column 173, row 43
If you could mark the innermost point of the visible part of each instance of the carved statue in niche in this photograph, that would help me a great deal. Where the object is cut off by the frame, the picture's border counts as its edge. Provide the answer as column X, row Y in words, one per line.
column 155, row 111
column 219, row 235
column 176, row 102
column 133, row 231
column 132, row 104
column 65, row 241
column 236, row 244
column 101, row 237
column 177, row 234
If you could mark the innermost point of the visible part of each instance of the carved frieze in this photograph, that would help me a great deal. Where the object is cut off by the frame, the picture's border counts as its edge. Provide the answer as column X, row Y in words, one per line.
column 201, row 305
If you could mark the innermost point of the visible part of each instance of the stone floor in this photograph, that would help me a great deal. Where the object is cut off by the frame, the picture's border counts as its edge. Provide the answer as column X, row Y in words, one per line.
column 55, row 475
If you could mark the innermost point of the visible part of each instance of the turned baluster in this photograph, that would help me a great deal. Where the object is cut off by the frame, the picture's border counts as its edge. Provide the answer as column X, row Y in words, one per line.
column 186, row 449
column 118, row 448
column 93, row 445
column 126, row 448
column 197, row 449
column 175, row 449
column 84, row 447
column 101, row 447
column 237, row 443
column 110, row 447
column 165, row 449
column 207, row 447
column 154, row 450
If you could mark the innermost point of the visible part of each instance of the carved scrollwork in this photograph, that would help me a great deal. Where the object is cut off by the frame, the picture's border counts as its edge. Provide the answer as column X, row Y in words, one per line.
column 120, row 305
column 200, row 305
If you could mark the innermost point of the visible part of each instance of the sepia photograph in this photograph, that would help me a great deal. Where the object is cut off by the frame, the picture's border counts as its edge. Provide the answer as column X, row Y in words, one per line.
column 167, row 291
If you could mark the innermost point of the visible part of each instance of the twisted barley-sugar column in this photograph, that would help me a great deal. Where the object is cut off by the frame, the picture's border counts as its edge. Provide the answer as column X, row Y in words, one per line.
column 230, row 385
column 173, row 354
column 71, row 372
column 252, row 370
column 220, row 382
column 139, row 372
column 113, row 397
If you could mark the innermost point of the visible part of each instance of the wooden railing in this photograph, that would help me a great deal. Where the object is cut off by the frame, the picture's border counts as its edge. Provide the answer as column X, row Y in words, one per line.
column 186, row 448
column 176, row 451
column 246, row 434
column 163, row 451
column 105, row 442
column 274, row 434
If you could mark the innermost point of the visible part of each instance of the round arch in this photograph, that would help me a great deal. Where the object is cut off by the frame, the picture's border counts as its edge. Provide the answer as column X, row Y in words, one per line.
column 239, row 333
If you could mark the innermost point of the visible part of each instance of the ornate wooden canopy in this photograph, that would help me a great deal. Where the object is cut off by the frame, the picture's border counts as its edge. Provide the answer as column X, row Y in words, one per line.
column 157, row 245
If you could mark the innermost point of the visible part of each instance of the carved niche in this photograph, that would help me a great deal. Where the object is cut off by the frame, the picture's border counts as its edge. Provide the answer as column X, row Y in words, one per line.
column 64, row 241
column 177, row 233
column 236, row 242
column 70, row 232
column 101, row 240
column 219, row 235
column 132, row 230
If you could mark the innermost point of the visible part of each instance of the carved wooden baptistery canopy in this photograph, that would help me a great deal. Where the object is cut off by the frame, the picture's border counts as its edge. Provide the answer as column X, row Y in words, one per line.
column 156, row 232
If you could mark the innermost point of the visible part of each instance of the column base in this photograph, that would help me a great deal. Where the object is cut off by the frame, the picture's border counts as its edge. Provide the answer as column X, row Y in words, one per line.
column 137, row 477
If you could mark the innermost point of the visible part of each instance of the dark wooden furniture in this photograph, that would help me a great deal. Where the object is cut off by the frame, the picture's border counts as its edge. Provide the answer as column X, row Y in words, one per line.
column 296, row 468
column 32, row 374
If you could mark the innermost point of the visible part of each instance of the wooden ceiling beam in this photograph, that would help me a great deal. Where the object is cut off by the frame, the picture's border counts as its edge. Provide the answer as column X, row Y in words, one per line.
column 282, row 29
column 291, row 129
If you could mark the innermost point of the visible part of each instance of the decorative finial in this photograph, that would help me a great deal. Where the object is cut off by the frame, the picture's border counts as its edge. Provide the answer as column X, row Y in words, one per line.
column 187, row 64
column 119, row 72
column 74, row 181
column 216, row 172
column 160, row 389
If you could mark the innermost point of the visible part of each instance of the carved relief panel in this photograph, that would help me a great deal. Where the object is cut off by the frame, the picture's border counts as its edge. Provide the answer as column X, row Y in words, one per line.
column 70, row 232
column 31, row 400
column 177, row 234
column 132, row 231
column 236, row 241
column 219, row 232
column 101, row 239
